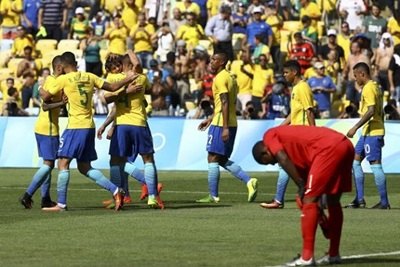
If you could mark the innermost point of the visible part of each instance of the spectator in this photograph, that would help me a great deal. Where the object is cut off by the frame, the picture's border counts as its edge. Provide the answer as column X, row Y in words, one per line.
column 259, row 49
column 153, row 71
column 258, row 26
column 373, row 25
column 130, row 13
column 9, row 82
column 276, row 22
column 23, row 40
column 53, row 17
column 262, row 77
column 79, row 25
column 301, row 51
column 112, row 7
column 157, row 9
column 310, row 9
column 240, row 19
column 322, row 87
column 384, row 54
column 188, row 6
column 200, row 73
column 332, row 44
column 212, row 7
column 220, row 29
column 309, row 32
column 176, row 21
column 117, row 35
column 36, row 87
column 29, row 64
column 203, row 111
column 29, row 16
column 394, row 74
column 11, row 107
column 165, row 42
column 393, row 26
column 352, row 12
column 10, row 12
column 243, row 70
column 202, row 19
column 27, row 89
column 255, row 4
column 310, row 72
column 191, row 32
column 99, row 24
column 332, row 66
column 91, row 51
column 344, row 40
column 277, row 101
column 182, row 69
column 141, row 37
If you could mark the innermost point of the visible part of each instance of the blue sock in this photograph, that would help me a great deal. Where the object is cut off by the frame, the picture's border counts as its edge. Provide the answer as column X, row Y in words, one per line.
column 133, row 171
column 45, row 188
column 213, row 178
column 115, row 175
column 101, row 180
column 358, row 179
column 236, row 171
column 151, row 178
column 281, row 184
column 62, row 186
column 124, row 182
column 380, row 181
column 38, row 178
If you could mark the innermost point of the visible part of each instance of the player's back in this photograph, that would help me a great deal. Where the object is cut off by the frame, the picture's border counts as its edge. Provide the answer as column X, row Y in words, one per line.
column 371, row 95
column 301, row 100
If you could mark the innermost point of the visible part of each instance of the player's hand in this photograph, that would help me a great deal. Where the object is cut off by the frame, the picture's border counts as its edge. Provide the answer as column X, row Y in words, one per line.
column 225, row 135
column 110, row 133
column 204, row 125
column 100, row 132
column 351, row 132
column 299, row 202
column 64, row 98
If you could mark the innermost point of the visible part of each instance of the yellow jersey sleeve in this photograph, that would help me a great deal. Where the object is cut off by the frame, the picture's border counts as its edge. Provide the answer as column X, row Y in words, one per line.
column 57, row 86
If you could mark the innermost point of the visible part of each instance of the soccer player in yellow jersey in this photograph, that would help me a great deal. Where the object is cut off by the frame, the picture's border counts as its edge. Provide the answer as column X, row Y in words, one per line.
column 370, row 144
column 47, row 133
column 77, row 140
column 301, row 113
column 222, row 131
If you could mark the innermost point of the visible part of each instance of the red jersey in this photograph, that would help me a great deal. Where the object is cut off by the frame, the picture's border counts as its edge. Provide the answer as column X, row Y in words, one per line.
column 302, row 143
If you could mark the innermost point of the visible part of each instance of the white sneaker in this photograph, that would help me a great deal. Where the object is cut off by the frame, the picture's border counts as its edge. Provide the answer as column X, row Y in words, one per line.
column 326, row 260
column 300, row 262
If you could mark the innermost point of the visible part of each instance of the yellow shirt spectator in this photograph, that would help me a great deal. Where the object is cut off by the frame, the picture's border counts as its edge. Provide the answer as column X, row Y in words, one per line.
column 301, row 100
column 371, row 96
column 344, row 42
column 212, row 7
column 190, row 34
column 312, row 10
column 11, row 10
column 275, row 22
column 310, row 72
column 117, row 37
column 262, row 78
column 130, row 15
column 112, row 6
column 393, row 27
column 191, row 8
column 20, row 43
column 224, row 83
column 141, row 37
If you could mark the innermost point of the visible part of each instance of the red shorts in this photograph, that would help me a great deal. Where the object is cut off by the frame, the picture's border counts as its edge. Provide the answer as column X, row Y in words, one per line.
column 331, row 172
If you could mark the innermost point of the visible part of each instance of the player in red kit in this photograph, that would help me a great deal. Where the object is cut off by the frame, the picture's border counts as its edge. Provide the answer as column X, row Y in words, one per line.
column 320, row 162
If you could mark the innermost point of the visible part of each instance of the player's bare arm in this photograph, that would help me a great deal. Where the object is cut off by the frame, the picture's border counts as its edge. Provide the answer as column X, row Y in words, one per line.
column 289, row 167
column 110, row 118
column 310, row 117
column 364, row 119
column 225, row 116
column 112, row 87
column 204, row 124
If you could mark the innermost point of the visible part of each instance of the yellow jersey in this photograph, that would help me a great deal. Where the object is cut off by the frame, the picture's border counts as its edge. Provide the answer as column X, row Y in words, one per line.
column 312, row 10
column 142, row 41
column 191, row 34
column 244, row 82
column 371, row 96
column 20, row 43
column 213, row 6
column 11, row 17
column 393, row 27
column 78, row 87
column 274, row 21
column 47, row 121
column 193, row 8
column 301, row 100
column 130, row 109
column 262, row 77
column 224, row 82
column 117, row 39
column 129, row 15
column 112, row 6
column 344, row 42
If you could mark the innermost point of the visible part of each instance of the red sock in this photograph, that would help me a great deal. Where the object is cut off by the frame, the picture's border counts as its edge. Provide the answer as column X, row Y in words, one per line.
column 335, row 222
column 309, row 223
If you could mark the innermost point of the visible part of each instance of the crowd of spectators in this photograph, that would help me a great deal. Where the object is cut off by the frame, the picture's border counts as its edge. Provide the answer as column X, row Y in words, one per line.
column 174, row 40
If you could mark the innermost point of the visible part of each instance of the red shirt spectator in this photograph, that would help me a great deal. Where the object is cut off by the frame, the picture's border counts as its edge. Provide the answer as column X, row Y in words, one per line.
column 302, row 51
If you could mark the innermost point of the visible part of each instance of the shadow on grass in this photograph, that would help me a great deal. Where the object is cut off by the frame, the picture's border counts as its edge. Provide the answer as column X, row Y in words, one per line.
column 369, row 261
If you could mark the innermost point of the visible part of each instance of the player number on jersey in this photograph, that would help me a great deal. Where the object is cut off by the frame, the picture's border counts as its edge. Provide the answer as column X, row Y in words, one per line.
column 84, row 95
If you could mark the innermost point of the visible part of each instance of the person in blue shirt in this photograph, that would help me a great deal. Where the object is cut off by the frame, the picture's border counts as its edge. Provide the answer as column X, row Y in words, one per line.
column 322, row 87
column 30, row 16
column 278, row 101
column 202, row 18
column 240, row 19
column 257, row 27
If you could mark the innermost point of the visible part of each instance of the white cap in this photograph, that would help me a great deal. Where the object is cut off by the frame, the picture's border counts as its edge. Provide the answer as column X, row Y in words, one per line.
column 318, row 65
column 386, row 35
column 258, row 9
column 79, row 10
column 332, row 32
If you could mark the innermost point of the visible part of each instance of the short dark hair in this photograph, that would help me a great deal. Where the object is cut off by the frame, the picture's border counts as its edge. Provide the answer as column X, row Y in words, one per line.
column 363, row 67
column 258, row 151
column 223, row 56
column 293, row 65
column 68, row 58
column 10, row 79
column 28, row 47
column 11, row 91
column 56, row 61
column 28, row 74
column 305, row 18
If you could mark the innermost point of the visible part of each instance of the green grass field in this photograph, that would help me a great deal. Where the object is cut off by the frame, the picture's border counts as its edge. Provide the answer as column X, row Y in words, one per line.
column 231, row 233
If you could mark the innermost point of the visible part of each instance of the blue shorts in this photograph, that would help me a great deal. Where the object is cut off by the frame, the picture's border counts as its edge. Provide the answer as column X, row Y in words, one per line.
column 47, row 146
column 78, row 144
column 370, row 147
column 215, row 143
column 130, row 140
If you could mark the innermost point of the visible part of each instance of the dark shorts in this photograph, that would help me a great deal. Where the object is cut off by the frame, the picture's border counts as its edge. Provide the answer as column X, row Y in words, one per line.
column 370, row 147
column 129, row 141
column 78, row 144
column 215, row 143
column 47, row 146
